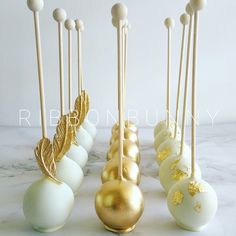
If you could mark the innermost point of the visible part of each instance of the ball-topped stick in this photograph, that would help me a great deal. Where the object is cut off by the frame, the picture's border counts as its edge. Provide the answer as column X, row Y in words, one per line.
column 79, row 26
column 59, row 16
column 69, row 25
column 36, row 6
column 196, row 5
column 169, row 23
column 184, row 19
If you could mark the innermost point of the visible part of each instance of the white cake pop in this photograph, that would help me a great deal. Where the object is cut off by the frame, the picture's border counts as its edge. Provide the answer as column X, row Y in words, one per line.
column 168, row 123
column 47, row 204
column 176, row 168
column 172, row 144
column 193, row 202
column 119, row 11
column 59, row 15
column 35, row 5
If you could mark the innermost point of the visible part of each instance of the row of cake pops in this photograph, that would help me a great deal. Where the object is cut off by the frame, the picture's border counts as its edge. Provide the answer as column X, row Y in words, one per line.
column 191, row 200
column 48, row 202
column 119, row 202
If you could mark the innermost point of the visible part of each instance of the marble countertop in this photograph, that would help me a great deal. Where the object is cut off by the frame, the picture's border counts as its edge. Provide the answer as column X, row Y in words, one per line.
column 18, row 169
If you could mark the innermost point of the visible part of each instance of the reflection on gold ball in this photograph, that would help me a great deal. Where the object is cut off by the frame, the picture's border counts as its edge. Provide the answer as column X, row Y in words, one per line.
column 128, row 124
column 131, row 150
column 119, row 205
column 130, row 171
column 128, row 134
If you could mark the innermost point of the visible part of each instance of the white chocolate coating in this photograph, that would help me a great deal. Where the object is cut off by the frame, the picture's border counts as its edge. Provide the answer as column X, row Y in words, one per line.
column 59, row 15
column 90, row 128
column 35, row 5
column 119, row 11
column 162, row 125
column 69, row 173
column 169, row 23
column 184, row 19
column 198, row 5
column 170, row 147
column 47, row 204
column 78, row 154
column 79, row 25
column 69, row 24
column 193, row 212
column 84, row 139
column 189, row 9
column 166, row 134
column 171, row 170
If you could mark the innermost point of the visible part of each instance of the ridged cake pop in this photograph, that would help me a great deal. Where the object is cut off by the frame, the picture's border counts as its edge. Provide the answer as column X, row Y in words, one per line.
column 193, row 202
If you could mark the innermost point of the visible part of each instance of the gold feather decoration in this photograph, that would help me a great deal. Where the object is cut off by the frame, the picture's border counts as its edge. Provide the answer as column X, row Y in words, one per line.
column 86, row 101
column 73, row 123
column 45, row 158
column 80, row 108
column 63, row 138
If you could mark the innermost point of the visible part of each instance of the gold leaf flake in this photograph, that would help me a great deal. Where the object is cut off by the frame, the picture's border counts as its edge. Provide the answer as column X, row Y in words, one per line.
column 174, row 164
column 45, row 158
column 63, row 138
column 164, row 154
column 197, row 207
column 195, row 187
column 179, row 175
column 177, row 198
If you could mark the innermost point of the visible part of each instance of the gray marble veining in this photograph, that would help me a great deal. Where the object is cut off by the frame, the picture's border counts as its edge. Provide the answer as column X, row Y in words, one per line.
column 216, row 151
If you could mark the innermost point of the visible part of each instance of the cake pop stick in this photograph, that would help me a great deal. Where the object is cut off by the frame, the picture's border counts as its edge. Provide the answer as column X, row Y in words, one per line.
column 190, row 13
column 184, row 22
column 69, row 25
column 35, row 7
column 59, row 16
column 169, row 23
column 79, row 25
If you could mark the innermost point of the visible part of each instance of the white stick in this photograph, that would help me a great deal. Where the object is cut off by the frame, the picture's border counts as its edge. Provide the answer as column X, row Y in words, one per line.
column 184, row 22
column 36, row 6
column 79, row 25
column 169, row 23
column 70, row 25
column 60, row 16
column 190, row 12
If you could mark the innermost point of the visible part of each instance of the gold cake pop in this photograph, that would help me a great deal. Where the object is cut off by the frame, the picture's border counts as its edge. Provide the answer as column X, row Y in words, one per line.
column 119, row 203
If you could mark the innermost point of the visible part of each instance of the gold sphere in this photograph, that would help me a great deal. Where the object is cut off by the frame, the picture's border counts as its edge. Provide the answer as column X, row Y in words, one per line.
column 131, row 171
column 131, row 150
column 128, row 134
column 119, row 205
column 128, row 124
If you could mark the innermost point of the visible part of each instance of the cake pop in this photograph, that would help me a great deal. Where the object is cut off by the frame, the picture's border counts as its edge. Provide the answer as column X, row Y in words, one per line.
column 165, row 129
column 46, row 196
column 76, row 152
column 192, row 201
column 83, row 137
column 119, row 203
column 87, row 125
column 172, row 144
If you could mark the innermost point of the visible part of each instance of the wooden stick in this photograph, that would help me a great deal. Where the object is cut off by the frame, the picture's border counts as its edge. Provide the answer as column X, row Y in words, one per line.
column 186, row 81
column 184, row 21
column 79, row 27
column 37, row 6
column 60, row 16
column 70, row 25
column 169, row 23
column 119, row 13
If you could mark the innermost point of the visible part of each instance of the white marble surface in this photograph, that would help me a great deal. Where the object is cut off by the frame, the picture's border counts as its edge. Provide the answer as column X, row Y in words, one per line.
column 18, row 169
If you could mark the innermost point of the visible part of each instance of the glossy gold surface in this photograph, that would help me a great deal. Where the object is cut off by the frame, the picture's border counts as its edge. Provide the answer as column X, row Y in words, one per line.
column 128, row 134
column 131, row 150
column 128, row 124
column 131, row 171
column 119, row 205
